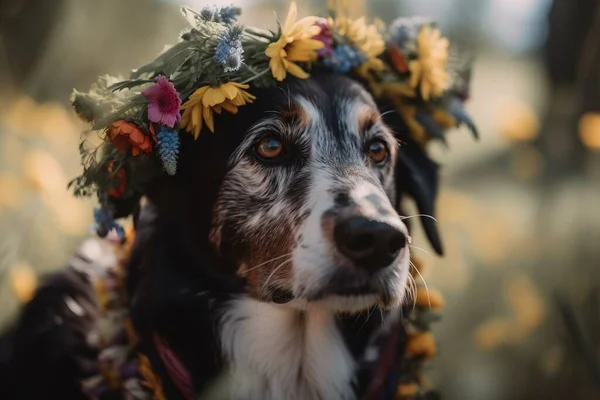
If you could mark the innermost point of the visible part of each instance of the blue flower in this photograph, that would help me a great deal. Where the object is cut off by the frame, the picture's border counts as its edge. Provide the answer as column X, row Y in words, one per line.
column 456, row 109
column 104, row 223
column 404, row 31
column 344, row 58
column 225, row 15
column 229, row 52
column 229, row 14
column 208, row 13
column 168, row 149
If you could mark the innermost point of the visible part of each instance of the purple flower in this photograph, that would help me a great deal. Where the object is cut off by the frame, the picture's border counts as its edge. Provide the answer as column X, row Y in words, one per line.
column 164, row 102
column 326, row 36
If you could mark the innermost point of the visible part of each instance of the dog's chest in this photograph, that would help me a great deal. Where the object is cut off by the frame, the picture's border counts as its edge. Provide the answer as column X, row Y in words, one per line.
column 276, row 353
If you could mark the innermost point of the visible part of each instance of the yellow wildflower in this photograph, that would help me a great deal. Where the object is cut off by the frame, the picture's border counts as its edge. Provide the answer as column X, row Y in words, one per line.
column 364, row 37
column 407, row 390
column 364, row 70
column 397, row 89
column 296, row 44
column 347, row 7
column 443, row 118
column 408, row 112
column 151, row 381
column 422, row 344
column 198, row 110
column 367, row 39
column 429, row 69
column 429, row 298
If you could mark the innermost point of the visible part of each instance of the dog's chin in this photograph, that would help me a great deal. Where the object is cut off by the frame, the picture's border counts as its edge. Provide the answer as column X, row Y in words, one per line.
column 354, row 300
column 343, row 304
column 349, row 303
column 349, row 300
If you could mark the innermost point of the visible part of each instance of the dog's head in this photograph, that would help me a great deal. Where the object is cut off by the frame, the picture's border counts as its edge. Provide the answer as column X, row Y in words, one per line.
column 302, row 209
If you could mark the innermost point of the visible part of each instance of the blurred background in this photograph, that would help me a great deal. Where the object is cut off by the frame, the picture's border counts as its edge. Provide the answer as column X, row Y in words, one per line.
column 518, row 209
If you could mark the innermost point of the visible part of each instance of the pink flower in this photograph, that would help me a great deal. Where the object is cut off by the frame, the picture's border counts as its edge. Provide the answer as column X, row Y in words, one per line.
column 326, row 36
column 164, row 102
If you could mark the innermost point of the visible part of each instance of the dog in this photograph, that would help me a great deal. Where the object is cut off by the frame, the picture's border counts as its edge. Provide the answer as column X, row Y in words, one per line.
column 267, row 263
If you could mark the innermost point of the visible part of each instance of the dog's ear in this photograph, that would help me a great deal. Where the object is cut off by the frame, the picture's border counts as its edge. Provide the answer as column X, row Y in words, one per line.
column 416, row 176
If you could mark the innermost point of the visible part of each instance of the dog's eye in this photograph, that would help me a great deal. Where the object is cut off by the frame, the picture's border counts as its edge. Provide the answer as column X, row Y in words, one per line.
column 378, row 151
column 269, row 148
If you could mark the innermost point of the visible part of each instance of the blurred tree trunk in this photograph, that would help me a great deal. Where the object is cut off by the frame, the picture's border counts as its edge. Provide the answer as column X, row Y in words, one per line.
column 55, row 45
column 588, row 78
column 26, row 27
column 570, row 23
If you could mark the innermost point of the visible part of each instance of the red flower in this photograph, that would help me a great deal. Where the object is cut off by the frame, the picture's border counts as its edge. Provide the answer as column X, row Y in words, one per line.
column 123, row 134
column 120, row 177
column 398, row 60
column 152, row 132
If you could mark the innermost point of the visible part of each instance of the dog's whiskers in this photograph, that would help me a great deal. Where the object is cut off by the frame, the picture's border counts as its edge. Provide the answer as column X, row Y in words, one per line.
column 367, row 320
column 266, row 262
column 419, row 248
column 357, row 318
column 264, row 286
column 424, row 283
column 412, row 286
column 383, row 114
column 418, row 215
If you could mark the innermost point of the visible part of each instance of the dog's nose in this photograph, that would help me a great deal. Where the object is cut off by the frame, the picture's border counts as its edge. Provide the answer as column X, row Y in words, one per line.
column 370, row 244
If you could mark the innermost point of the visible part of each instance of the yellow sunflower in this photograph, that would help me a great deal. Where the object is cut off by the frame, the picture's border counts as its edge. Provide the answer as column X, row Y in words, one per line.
column 198, row 110
column 296, row 44
column 429, row 69
column 395, row 90
column 367, row 39
column 363, row 36
column 408, row 112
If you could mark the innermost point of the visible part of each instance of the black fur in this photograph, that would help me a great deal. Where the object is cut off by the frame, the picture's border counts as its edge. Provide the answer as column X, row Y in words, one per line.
column 46, row 354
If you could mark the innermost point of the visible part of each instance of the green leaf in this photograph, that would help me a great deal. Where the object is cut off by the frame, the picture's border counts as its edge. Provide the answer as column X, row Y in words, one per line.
column 137, row 101
column 254, row 33
column 128, row 84
column 159, row 62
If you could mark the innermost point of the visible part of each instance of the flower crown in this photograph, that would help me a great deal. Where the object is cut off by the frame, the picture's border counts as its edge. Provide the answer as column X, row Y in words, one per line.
column 217, row 63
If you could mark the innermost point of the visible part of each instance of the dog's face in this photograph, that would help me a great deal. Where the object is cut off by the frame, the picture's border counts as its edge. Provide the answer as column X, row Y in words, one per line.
column 305, row 206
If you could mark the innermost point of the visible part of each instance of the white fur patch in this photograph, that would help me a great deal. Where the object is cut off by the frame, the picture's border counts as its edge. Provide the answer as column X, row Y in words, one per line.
column 278, row 352
column 364, row 189
column 312, row 259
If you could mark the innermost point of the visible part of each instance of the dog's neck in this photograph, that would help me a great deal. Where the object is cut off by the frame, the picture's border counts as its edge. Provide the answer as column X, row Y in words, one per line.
column 275, row 352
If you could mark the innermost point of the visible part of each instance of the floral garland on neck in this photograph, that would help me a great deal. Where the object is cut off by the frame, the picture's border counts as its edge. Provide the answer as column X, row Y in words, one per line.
column 217, row 63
